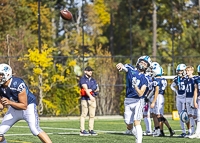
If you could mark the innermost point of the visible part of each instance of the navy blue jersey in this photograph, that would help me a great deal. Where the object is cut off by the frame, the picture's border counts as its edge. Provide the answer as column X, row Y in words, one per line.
column 190, row 85
column 180, row 83
column 162, row 83
column 140, row 78
column 150, row 82
column 197, row 81
column 15, row 87
column 90, row 82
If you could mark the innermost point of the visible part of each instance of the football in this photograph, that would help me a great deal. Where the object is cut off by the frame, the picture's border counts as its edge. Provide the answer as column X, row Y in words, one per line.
column 66, row 15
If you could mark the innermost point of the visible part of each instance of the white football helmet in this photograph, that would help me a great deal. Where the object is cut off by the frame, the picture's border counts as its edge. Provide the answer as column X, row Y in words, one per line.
column 158, row 70
column 181, row 67
column 198, row 69
column 6, row 71
column 184, row 117
column 146, row 59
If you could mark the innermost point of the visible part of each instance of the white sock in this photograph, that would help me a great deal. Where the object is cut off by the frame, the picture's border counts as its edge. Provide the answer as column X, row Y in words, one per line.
column 198, row 128
column 4, row 141
column 189, row 131
column 138, row 135
column 153, row 128
column 149, row 121
column 182, row 126
column 133, row 131
column 192, row 122
column 146, row 124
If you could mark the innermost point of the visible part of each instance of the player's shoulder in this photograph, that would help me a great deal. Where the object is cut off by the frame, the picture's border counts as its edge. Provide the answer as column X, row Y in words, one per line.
column 176, row 78
column 16, row 81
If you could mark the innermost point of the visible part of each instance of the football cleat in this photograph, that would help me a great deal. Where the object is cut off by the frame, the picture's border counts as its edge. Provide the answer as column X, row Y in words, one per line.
column 92, row 133
column 128, row 132
column 172, row 133
column 194, row 136
column 182, row 135
column 84, row 133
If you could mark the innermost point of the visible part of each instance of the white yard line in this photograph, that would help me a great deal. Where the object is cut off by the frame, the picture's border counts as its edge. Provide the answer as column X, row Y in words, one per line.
column 71, row 129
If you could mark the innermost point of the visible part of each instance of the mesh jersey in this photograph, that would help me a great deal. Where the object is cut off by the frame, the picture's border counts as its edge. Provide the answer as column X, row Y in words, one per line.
column 190, row 85
column 15, row 87
column 197, row 81
column 180, row 83
column 140, row 78
column 162, row 83
column 149, row 88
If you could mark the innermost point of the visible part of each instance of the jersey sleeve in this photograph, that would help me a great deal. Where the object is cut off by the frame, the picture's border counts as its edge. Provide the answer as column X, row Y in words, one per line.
column 173, row 85
column 155, row 83
column 129, row 67
column 82, row 81
column 21, row 87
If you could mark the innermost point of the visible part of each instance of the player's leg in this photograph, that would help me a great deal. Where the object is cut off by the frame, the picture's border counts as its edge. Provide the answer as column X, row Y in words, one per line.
column 137, row 120
column 92, row 108
column 30, row 115
column 128, row 116
column 180, row 104
column 189, row 111
column 10, row 118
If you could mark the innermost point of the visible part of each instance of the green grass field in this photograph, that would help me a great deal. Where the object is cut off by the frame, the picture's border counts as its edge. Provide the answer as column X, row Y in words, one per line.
column 109, row 131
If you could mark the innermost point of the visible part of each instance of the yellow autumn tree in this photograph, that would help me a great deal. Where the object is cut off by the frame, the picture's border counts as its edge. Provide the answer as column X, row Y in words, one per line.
column 46, row 77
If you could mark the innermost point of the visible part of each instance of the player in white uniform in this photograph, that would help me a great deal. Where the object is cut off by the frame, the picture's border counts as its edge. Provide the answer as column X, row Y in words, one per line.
column 14, row 92
column 197, row 103
column 179, row 82
column 159, row 85
column 134, row 101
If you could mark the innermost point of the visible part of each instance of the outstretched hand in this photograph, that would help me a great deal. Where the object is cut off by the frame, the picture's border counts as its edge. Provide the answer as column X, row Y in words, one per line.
column 119, row 66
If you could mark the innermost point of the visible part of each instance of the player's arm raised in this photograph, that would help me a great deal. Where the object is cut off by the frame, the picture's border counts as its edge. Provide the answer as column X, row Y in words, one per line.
column 121, row 67
column 22, row 97
column 88, row 92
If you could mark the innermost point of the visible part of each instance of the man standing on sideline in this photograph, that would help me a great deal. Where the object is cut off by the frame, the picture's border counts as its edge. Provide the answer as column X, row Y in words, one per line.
column 135, row 89
column 22, row 105
column 89, row 87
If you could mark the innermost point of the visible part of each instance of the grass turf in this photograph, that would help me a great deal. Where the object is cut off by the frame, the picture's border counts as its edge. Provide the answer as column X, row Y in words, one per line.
column 109, row 131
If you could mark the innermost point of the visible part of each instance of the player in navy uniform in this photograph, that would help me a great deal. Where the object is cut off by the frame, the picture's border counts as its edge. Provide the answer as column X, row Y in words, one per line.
column 179, row 82
column 134, row 100
column 159, row 85
column 14, row 92
column 146, row 109
column 190, row 86
column 197, row 104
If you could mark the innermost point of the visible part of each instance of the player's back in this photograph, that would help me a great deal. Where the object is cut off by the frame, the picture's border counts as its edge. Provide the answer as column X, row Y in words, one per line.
column 162, row 83
column 190, row 85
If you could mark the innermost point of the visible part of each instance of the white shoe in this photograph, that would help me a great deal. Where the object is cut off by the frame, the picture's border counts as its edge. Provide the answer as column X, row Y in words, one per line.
column 128, row 132
column 194, row 136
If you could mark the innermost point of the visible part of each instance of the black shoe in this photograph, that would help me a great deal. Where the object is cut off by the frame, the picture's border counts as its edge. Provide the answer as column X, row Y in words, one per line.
column 172, row 133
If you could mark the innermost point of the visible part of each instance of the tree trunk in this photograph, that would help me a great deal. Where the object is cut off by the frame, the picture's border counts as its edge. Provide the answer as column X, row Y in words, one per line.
column 111, row 34
column 40, row 105
column 154, row 30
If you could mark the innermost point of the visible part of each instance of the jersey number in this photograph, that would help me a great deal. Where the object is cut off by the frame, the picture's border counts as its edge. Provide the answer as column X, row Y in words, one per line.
column 189, row 88
column 181, row 86
column 164, row 84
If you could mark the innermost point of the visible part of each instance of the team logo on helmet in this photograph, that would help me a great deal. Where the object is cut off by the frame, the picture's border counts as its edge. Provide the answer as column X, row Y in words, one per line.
column 184, row 117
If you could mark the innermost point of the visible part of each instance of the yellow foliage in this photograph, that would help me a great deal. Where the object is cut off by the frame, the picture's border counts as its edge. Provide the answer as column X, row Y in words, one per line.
column 49, row 104
column 67, row 71
column 72, row 63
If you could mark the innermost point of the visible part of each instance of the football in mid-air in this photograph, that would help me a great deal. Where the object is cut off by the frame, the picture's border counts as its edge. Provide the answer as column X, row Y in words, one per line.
column 66, row 15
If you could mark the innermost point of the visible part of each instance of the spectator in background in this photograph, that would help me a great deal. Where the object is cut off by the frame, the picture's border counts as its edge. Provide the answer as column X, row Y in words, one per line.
column 89, row 89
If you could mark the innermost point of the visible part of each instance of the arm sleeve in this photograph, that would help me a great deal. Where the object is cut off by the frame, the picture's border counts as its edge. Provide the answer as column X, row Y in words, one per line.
column 173, row 86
